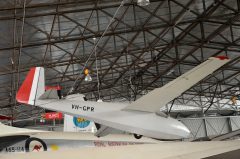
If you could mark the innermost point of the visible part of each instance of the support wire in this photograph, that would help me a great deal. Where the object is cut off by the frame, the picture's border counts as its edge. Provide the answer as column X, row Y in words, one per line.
column 111, row 21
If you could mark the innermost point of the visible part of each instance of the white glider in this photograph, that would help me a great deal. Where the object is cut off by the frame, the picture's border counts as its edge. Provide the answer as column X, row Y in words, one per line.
column 140, row 117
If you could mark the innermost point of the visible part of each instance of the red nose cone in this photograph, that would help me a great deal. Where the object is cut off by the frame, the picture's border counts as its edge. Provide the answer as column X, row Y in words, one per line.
column 222, row 57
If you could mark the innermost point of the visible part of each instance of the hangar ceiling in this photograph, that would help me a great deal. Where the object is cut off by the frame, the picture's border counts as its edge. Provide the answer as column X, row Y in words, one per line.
column 144, row 47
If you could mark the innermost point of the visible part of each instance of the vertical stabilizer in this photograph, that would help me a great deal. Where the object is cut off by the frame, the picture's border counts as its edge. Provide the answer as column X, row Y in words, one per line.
column 33, row 86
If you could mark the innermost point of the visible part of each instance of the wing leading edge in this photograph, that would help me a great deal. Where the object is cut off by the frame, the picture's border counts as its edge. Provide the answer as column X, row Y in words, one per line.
column 159, row 97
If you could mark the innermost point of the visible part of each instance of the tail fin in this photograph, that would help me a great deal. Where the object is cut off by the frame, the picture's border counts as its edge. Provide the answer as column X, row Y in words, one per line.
column 33, row 86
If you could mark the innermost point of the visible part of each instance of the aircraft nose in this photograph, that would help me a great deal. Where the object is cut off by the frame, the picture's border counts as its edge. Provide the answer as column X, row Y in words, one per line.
column 178, row 129
column 184, row 132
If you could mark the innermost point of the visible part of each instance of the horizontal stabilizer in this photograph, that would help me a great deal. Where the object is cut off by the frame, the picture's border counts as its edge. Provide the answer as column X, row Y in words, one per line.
column 50, row 94
column 12, row 131
column 159, row 97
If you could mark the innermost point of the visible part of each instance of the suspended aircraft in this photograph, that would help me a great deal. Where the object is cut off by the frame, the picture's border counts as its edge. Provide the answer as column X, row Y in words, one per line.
column 141, row 117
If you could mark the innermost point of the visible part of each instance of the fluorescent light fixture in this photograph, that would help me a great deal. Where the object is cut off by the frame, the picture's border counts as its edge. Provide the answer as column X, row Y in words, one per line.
column 143, row 2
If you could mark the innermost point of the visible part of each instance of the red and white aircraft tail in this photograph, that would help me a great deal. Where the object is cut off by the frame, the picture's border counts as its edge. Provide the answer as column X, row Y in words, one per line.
column 33, row 86
column 140, row 117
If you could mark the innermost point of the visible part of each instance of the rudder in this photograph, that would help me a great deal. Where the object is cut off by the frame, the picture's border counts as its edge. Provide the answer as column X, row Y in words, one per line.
column 32, row 87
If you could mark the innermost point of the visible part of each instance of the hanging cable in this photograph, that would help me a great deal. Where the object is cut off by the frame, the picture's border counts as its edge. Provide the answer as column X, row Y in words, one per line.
column 127, row 52
column 21, row 42
column 20, row 48
column 105, row 31
column 98, row 81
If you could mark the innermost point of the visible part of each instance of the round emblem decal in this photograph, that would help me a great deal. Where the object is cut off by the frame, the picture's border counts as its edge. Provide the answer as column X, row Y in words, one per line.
column 35, row 145
column 80, row 122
